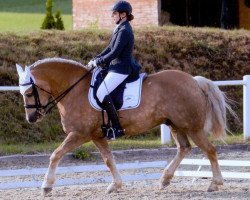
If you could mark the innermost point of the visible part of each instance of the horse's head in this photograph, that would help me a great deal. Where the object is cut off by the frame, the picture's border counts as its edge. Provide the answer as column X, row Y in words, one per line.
column 36, row 94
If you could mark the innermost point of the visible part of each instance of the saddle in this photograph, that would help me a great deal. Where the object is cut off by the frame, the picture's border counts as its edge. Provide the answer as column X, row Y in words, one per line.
column 126, row 96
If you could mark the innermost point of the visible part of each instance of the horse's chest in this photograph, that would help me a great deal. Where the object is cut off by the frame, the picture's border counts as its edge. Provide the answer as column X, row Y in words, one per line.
column 70, row 124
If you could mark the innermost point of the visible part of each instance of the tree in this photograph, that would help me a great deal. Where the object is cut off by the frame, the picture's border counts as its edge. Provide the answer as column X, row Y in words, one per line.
column 49, row 21
column 59, row 22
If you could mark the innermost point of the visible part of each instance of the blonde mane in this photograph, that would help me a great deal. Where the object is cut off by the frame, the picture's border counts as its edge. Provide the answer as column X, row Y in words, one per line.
column 60, row 60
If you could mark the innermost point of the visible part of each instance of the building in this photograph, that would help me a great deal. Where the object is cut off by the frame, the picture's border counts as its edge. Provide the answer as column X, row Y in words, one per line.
column 87, row 13
column 97, row 13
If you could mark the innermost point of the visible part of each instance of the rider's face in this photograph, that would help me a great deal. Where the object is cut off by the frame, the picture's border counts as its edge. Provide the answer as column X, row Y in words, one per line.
column 115, row 17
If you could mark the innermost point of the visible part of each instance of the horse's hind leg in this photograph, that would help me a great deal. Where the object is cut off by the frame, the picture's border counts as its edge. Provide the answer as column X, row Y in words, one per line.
column 184, row 147
column 72, row 141
column 201, row 140
column 107, row 156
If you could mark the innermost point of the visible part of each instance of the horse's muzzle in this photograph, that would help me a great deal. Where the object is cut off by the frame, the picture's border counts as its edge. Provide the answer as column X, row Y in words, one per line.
column 33, row 117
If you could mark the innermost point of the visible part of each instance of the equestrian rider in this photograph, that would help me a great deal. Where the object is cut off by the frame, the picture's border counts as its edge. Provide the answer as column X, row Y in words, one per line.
column 117, row 56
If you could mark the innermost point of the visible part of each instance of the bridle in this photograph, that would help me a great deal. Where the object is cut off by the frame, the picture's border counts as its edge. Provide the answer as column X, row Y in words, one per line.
column 44, row 109
column 41, row 109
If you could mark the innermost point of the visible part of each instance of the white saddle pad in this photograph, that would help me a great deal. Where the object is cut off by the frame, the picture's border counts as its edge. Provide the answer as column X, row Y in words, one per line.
column 131, row 96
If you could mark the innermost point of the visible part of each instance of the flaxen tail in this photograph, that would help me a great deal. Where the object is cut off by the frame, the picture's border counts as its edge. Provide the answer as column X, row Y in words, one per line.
column 216, row 108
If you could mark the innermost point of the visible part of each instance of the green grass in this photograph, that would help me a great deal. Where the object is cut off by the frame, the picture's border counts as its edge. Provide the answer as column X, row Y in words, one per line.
column 8, row 149
column 231, row 139
column 23, row 22
column 120, row 144
column 34, row 6
column 28, row 15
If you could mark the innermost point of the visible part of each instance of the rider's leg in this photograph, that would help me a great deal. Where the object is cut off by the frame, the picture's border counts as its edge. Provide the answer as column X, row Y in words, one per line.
column 111, row 81
column 116, row 130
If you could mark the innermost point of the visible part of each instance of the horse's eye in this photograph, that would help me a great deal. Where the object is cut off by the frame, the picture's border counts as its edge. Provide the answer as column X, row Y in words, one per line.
column 29, row 95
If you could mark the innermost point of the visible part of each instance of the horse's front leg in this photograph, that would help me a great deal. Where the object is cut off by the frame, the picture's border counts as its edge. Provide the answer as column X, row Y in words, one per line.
column 72, row 141
column 107, row 156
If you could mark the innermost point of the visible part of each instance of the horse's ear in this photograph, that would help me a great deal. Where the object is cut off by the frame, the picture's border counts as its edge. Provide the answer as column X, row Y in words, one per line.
column 19, row 69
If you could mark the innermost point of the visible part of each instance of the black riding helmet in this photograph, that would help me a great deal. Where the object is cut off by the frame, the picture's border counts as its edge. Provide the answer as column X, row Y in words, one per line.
column 122, row 6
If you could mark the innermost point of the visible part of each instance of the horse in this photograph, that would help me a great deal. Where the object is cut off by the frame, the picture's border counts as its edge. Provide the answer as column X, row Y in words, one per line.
column 192, row 107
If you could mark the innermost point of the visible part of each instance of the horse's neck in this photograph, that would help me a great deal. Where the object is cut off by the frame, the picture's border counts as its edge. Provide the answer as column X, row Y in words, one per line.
column 60, row 76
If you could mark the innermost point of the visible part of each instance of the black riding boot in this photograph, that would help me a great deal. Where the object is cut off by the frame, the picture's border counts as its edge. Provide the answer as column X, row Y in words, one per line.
column 116, row 130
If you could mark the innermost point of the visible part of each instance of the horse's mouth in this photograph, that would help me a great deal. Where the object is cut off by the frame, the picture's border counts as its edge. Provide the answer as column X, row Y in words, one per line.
column 34, row 117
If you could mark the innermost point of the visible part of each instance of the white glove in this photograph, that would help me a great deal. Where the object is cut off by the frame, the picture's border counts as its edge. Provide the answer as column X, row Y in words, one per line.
column 91, row 64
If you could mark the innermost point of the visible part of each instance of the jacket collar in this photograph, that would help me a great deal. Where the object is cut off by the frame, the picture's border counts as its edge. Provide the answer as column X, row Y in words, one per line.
column 117, row 28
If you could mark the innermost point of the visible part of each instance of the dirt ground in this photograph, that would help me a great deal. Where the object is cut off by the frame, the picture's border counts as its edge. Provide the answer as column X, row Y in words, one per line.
column 180, row 188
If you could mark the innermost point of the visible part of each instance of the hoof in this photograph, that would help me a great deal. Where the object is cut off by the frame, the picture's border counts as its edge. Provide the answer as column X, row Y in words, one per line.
column 163, row 184
column 113, row 187
column 46, row 191
column 213, row 188
column 219, row 182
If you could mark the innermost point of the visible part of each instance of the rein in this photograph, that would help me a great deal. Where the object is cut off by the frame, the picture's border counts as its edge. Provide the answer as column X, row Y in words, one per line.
column 39, row 107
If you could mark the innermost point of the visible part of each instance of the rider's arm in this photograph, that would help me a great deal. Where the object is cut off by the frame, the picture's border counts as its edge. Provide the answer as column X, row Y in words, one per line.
column 105, row 51
column 120, row 42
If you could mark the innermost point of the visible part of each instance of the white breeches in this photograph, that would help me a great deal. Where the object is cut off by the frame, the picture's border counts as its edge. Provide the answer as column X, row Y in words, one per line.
column 110, row 82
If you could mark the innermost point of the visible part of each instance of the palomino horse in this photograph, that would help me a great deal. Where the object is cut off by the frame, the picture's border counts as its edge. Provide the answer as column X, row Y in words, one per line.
column 191, row 106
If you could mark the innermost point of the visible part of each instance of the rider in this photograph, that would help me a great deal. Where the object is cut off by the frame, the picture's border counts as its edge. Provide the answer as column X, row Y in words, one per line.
column 117, row 56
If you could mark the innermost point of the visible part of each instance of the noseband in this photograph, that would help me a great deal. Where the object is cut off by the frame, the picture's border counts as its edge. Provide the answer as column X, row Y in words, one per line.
column 38, row 106
column 44, row 109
